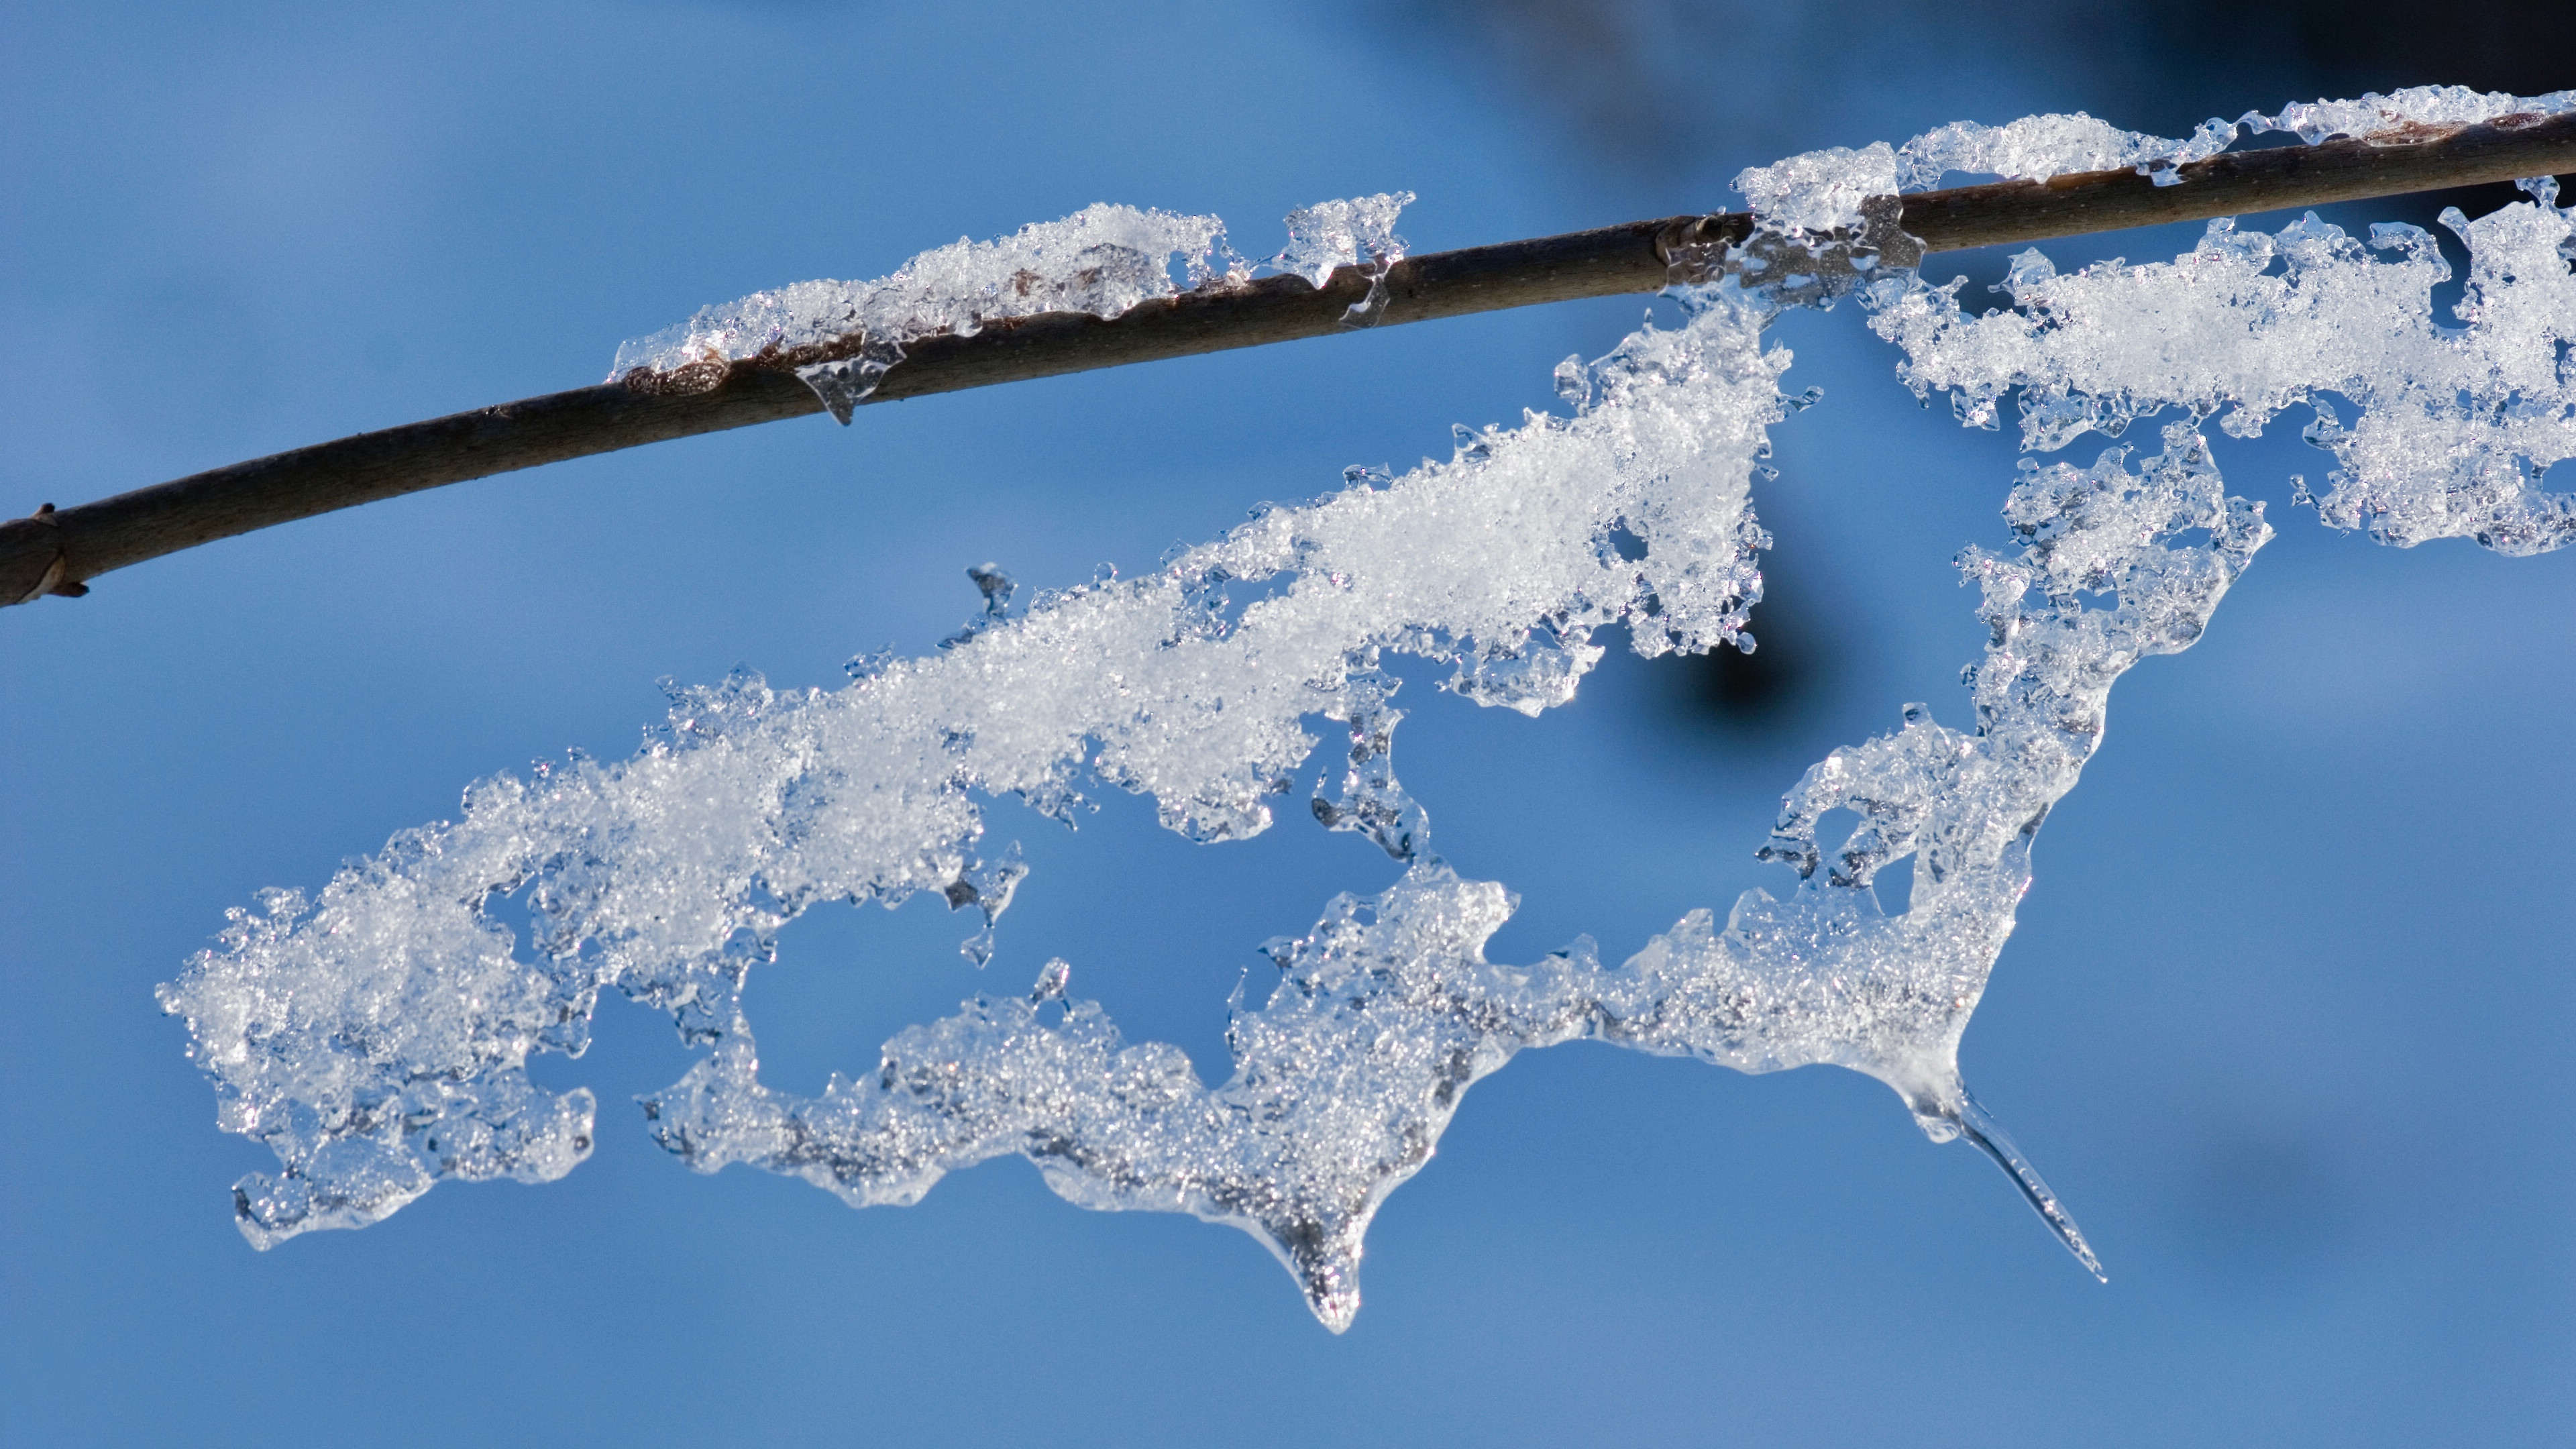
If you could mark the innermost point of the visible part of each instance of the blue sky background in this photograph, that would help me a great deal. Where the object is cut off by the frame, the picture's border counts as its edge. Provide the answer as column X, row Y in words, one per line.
column 2285, row 1021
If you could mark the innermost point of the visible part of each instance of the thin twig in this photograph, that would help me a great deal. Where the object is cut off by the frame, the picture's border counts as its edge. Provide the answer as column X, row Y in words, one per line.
column 53, row 552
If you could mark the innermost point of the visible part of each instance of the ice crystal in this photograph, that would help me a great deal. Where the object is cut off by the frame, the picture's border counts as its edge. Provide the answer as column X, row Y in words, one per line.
column 376, row 1036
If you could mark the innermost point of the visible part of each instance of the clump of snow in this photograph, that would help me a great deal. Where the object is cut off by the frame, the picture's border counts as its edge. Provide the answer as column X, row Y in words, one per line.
column 841, row 337
column 2037, row 147
column 1102, row 260
column 1822, row 191
column 2456, row 426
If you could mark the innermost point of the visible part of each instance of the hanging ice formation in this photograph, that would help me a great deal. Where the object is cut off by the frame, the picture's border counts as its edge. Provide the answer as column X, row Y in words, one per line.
column 376, row 1036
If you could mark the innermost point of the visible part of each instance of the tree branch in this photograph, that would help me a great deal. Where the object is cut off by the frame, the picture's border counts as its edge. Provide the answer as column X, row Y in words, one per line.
column 53, row 552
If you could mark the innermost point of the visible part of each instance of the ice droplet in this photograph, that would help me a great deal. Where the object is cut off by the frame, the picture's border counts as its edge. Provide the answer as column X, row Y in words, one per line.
column 1052, row 979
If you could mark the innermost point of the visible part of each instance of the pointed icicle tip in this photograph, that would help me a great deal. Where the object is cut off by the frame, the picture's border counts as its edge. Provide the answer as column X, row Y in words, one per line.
column 1973, row 1122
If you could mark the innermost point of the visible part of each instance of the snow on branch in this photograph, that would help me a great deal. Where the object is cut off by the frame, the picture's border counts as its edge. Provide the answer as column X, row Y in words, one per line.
column 2096, row 178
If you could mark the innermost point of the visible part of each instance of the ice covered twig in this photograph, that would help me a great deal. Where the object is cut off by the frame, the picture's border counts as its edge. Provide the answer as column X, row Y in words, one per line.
column 55, row 553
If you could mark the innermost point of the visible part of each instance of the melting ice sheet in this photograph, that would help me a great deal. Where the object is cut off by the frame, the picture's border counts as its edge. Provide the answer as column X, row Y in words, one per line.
column 376, row 1035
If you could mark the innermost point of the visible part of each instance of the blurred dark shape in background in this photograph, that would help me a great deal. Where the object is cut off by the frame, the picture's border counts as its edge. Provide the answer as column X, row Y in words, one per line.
column 1770, row 691
column 1655, row 86
column 2262, row 1210
column 1669, row 97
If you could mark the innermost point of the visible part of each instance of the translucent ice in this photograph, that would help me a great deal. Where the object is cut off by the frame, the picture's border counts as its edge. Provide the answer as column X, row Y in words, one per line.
column 1355, row 233
column 2408, row 114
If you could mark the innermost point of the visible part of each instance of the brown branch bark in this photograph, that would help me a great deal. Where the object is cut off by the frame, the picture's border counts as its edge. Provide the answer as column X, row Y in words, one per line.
column 56, row 551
